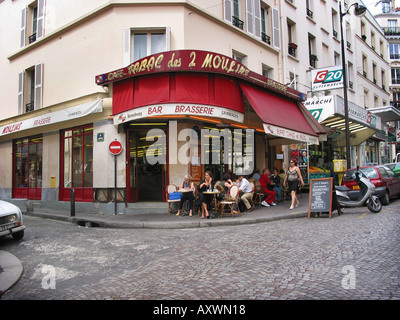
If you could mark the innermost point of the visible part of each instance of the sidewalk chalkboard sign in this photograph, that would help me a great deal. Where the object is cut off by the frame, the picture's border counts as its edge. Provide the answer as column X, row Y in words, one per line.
column 320, row 198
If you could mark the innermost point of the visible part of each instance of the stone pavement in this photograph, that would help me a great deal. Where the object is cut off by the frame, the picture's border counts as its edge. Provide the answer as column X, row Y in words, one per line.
column 11, row 268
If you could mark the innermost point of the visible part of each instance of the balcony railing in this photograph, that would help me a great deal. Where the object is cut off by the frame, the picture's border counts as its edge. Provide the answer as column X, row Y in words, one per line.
column 29, row 107
column 32, row 38
column 237, row 22
column 309, row 13
column 391, row 31
column 395, row 81
column 265, row 38
column 395, row 56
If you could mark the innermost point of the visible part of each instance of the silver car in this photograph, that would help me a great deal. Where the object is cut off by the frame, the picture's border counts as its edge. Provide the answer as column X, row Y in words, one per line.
column 11, row 220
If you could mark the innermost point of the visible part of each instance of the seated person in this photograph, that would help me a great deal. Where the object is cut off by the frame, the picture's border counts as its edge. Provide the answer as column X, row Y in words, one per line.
column 206, row 199
column 276, row 180
column 246, row 189
column 187, row 184
column 266, row 186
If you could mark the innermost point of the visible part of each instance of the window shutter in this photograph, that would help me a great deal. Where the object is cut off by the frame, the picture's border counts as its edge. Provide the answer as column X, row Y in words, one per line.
column 276, row 28
column 228, row 10
column 167, row 39
column 38, row 86
column 23, row 28
column 257, row 18
column 249, row 16
column 127, row 47
column 21, row 92
column 40, row 20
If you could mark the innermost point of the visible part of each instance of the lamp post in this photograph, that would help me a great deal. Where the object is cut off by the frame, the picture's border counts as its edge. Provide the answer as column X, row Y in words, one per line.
column 358, row 11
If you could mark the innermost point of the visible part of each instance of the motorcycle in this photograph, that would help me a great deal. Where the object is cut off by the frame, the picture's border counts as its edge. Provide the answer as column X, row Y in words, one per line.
column 365, row 196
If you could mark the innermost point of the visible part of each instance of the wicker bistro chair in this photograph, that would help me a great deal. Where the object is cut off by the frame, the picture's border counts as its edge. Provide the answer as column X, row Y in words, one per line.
column 231, row 201
column 170, row 189
column 259, row 194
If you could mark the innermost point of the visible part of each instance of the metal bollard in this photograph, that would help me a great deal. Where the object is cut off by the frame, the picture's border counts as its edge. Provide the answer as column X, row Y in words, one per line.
column 72, row 202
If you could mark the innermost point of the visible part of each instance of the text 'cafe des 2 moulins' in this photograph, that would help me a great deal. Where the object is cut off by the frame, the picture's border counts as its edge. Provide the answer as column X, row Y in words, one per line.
column 216, row 99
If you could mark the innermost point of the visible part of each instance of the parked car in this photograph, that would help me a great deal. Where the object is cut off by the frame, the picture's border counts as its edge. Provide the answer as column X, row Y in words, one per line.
column 385, row 180
column 11, row 220
column 394, row 166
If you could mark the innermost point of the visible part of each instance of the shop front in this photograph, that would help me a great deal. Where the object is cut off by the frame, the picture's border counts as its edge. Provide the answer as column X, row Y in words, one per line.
column 363, row 127
column 189, row 111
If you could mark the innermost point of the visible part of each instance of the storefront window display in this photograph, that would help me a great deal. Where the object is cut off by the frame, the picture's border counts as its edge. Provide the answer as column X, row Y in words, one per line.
column 28, row 168
column 77, row 166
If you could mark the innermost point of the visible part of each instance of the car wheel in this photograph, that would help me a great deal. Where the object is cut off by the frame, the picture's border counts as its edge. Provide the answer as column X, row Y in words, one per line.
column 18, row 235
column 386, row 198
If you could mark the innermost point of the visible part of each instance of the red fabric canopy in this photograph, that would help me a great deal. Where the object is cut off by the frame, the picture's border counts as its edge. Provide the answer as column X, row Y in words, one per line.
column 277, row 111
column 193, row 88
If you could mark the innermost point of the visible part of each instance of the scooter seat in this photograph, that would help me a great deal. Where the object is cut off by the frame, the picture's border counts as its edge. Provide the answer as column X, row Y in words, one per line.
column 342, row 188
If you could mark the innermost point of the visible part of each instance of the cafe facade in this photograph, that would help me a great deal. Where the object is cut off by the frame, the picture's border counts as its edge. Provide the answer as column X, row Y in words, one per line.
column 174, row 113
column 199, row 104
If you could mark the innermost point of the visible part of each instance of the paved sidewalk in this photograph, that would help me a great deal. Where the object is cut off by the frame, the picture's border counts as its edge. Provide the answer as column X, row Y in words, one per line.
column 165, row 221
column 10, row 271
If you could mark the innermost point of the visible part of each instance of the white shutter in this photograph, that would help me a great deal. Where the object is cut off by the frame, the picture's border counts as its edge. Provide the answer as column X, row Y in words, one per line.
column 167, row 39
column 228, row 10
column 276, row 33
column 38, row 101
column 23, row 28
column 40, row 19
column 21, row 92
column 127, row 47
column 257, row 18
column 249, row 16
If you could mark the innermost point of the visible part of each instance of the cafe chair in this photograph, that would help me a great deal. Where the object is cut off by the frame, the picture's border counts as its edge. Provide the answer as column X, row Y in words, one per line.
column 259, row 194
column 230, row 201
column 171, row 188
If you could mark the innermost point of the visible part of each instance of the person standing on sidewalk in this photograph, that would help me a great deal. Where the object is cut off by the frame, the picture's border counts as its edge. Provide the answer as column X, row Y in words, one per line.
column 293, row 177
column 266, row 186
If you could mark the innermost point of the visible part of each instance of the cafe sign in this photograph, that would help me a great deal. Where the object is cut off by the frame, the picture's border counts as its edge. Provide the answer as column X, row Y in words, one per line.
column 198, row 61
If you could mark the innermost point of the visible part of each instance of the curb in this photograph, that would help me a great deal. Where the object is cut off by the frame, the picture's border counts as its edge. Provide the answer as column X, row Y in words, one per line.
column 10, row 271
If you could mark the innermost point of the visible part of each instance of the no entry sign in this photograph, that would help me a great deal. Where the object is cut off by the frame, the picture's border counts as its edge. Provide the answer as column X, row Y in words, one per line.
column 115, row 147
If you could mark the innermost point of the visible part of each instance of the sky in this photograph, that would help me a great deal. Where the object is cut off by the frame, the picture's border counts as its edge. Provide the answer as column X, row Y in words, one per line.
column 376, row 9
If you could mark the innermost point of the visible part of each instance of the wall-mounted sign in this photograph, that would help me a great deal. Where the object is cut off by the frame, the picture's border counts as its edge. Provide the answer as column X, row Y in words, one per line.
column 195, row 61
column 327, row 78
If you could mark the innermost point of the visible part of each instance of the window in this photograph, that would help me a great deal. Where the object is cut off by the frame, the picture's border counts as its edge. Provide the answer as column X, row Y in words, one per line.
column 264, row 26
column 267, row 71
column 27, row 177
column 32, row 22
column 30, row 87
column 309, row 9
column 394, row 50
column 232, row 12
column 350, row 70
column 77, row 163
column 334, row 23
column 395, row 75
column 240, row 57
column 139, row 44
column 364, row 66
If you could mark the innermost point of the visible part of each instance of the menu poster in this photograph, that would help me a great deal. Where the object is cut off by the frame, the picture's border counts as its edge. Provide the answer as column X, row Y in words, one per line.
column 320, row 196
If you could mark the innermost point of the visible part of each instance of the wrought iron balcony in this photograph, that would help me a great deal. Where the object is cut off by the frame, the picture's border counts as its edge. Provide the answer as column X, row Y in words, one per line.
column 391, row 31
column 32, row 38
column 29, row 107
column 309, row 13
column 266, row 38
column 237, row 22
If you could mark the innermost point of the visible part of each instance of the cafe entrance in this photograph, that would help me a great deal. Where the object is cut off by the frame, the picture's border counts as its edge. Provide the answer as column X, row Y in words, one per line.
column 145, row 181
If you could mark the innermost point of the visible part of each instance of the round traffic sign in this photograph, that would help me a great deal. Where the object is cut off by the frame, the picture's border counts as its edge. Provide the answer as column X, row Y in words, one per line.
column 115, row 147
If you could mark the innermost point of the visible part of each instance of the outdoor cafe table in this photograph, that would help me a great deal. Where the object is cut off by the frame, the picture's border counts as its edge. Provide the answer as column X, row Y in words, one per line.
column 185, row 191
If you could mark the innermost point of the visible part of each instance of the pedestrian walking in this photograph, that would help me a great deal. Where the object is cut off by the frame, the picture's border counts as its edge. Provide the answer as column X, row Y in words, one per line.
column 293, row 178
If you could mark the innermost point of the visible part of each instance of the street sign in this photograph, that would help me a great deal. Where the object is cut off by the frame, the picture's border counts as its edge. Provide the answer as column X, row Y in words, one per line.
column 115, row 147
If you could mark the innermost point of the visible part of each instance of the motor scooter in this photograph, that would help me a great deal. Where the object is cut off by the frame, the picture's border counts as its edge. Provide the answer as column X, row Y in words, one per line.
column 366, row 195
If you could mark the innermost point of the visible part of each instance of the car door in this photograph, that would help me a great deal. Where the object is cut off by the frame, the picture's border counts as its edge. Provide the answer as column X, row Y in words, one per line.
column 387, row 180
column 395, row 182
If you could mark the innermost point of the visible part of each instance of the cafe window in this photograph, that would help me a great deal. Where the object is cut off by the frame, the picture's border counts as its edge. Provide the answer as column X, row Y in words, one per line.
column 77, row 163
column 27, row 182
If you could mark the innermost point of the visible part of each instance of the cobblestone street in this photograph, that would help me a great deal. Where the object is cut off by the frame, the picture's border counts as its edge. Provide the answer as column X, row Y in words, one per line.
column 353, row 256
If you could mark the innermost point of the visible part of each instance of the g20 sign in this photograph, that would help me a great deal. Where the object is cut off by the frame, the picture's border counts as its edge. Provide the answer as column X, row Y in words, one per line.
column 327, row 78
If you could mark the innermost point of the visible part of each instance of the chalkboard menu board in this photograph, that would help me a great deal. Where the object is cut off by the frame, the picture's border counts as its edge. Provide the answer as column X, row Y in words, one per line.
column 320, row 199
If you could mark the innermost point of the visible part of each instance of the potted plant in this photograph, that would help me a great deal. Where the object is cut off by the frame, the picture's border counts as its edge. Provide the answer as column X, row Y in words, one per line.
column 293, row 45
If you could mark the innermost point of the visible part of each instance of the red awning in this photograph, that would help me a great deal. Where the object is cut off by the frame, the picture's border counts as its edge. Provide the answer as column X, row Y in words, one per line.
column 277, row 110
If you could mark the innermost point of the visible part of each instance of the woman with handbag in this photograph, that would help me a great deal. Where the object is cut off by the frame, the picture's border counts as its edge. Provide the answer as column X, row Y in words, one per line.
column 293, row 177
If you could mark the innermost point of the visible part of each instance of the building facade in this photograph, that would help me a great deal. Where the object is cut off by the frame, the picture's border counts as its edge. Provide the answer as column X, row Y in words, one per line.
column 389, row 20
column 58, row 117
